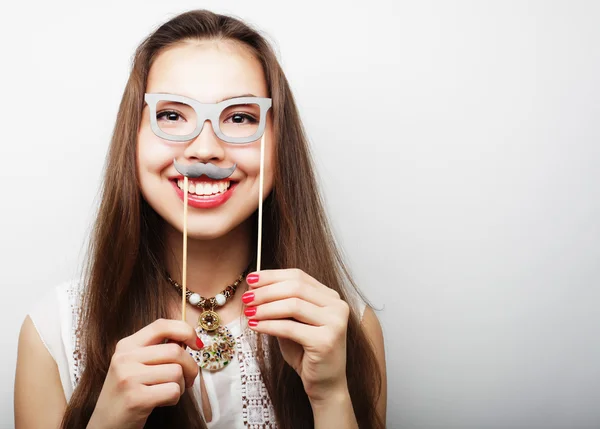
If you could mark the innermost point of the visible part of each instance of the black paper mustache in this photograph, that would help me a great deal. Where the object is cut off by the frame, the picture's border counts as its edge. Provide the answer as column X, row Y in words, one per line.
column 198, row 169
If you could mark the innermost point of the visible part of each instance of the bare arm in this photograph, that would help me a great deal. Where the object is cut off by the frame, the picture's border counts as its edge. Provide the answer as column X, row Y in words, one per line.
column 39, row 398
column 336, row 410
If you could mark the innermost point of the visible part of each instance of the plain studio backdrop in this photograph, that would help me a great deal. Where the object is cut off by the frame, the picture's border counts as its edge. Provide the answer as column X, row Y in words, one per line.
column 457, row 145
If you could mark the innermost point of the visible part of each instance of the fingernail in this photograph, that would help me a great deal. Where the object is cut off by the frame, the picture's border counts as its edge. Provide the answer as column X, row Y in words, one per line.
column 248, row 297
column 250, row 311
column 252, row 278
column 252, row 323
column 199, row 343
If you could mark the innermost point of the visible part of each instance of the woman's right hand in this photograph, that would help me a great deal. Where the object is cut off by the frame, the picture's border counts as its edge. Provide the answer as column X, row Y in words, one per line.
column 145, row 373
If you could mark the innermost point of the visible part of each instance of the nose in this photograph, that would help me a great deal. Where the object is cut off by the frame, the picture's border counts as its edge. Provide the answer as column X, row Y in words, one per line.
column 206, row 146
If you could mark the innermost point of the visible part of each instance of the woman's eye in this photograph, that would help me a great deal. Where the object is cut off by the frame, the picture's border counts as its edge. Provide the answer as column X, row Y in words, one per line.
column 241, row 118
column 169, row 116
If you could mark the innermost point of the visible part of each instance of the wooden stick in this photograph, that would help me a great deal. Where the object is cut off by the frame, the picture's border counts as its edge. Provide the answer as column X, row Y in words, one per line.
column 260, row 201
column 184, row 273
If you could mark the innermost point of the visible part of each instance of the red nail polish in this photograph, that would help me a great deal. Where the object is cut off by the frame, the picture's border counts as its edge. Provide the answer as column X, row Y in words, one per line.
column 250, row 311
column 252, row 323
column 199, row 343
column 252, row 278
column 248, row 297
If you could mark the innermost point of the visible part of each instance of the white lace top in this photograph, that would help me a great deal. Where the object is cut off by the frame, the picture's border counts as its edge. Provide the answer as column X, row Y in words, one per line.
column 237, row 395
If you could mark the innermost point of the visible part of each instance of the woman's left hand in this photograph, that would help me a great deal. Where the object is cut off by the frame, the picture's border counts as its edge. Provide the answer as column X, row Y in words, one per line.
column 309, row 319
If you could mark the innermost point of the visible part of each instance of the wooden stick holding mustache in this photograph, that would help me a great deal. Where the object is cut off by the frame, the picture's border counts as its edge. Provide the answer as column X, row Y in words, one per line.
column 260, row 202
column 184, row 273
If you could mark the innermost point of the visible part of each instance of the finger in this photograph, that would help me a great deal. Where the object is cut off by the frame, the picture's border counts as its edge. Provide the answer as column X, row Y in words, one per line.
column 168, row 354
column 292, row 330
column 286, row 289
column 167, row 373
column 296, row 308
column 158, row 395
column 267, row 277
column 158, row 331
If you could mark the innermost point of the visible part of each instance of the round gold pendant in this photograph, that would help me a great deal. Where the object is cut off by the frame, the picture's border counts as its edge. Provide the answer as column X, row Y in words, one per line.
column 219, row 349
column 209, row 320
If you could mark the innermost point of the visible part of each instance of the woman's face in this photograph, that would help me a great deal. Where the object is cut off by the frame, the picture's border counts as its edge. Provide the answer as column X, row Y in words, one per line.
column 208, row 72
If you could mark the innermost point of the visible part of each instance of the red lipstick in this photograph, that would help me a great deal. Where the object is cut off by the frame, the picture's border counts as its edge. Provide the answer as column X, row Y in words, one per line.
column 208, row 201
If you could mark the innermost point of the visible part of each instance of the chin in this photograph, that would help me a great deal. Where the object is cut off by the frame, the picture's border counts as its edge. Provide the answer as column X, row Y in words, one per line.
column 206, row 234
column 211, row 229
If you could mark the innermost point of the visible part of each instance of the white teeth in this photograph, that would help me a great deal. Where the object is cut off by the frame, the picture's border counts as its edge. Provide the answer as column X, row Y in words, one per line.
column 205, row 188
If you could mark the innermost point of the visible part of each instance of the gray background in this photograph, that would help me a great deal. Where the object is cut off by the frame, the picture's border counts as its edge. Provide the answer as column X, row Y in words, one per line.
column 465, row 194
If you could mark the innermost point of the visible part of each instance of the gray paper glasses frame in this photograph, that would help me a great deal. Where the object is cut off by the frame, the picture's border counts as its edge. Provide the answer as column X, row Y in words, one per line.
column 208, row 111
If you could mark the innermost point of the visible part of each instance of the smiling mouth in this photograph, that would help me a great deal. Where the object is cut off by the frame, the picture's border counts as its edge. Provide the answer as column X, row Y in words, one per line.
column 205, row 188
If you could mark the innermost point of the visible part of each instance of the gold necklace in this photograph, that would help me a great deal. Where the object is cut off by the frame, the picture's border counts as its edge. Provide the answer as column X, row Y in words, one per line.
column 219, row 344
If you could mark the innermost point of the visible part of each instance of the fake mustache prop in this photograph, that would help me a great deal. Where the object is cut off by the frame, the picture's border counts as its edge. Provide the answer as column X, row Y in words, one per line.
column 196, row 170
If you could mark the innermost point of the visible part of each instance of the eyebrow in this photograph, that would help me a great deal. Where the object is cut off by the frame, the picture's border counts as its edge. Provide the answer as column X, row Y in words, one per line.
column 236, row 96
column 218, row 101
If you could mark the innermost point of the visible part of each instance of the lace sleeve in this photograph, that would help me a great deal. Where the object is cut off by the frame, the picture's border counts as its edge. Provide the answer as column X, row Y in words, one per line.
column 52, row 318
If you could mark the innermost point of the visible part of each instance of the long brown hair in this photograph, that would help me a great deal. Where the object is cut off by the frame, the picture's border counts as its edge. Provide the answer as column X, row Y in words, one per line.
column 125, row 287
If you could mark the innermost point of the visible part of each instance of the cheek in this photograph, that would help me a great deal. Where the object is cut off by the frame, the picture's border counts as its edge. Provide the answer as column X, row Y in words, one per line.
column 152, row 154
column 248, row 160
column 269, row 162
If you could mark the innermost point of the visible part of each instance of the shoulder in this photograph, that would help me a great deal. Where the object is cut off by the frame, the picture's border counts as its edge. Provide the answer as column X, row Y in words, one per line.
column 53, row 312
column 31, row 342
column 54, row 319
column 366, row 315
column 374, row 333
column 372, row 326
column 356, row 301
column 361, row 307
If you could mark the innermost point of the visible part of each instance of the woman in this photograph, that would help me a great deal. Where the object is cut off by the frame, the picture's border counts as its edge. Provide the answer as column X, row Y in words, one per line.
column 290, row 346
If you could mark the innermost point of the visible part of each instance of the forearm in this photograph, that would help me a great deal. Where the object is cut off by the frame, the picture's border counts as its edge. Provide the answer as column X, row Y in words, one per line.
column 334, row 412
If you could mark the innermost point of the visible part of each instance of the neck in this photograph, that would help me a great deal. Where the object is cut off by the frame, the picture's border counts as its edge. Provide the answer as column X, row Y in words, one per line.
column 211, row 264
